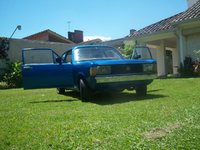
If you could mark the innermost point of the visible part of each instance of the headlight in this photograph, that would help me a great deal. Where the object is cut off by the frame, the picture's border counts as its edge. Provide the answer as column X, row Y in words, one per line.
column 149, row 68
column 103, row 70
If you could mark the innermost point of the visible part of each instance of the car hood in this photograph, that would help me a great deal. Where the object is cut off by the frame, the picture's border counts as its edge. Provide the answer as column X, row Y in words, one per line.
column 116, row 62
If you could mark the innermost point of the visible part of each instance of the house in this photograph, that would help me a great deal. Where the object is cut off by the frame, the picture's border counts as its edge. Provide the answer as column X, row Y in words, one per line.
column 49, row 36
column 11, row 48
column 117, row 43
column 94, row 41
column 172, row 39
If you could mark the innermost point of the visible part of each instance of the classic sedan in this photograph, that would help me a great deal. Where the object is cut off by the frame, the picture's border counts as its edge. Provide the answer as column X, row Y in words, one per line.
column 87, row 69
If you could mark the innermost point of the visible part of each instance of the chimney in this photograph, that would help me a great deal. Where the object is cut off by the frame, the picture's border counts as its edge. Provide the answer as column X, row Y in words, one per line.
column 76, row 36
column 191, row 2
column 132, row 31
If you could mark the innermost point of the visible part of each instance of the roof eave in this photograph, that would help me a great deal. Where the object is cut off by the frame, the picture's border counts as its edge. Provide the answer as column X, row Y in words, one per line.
column 61, row 37
column 155, row 35
column 175, row 24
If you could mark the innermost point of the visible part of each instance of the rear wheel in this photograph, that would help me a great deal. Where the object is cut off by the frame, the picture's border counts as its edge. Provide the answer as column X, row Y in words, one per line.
column 61, row 90
column 85, row 93
column 141, row 90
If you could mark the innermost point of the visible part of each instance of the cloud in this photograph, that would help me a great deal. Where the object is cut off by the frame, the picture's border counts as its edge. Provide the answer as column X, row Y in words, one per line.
column 103, row 38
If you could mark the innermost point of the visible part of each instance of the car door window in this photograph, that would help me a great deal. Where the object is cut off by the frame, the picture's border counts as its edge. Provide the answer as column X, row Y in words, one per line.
column 39, row 56
column 141, row 52
column 68, row 57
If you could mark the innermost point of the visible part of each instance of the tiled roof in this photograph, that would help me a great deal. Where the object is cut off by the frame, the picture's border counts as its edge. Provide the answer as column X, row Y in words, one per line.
column 49, row 32
column 167, row 24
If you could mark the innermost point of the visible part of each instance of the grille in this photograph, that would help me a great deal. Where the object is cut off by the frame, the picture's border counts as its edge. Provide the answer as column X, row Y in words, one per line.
column 131, row 68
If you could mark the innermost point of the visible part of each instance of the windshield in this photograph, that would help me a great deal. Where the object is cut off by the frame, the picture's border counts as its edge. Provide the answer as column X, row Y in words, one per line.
column 141, row 53
column 96, row 53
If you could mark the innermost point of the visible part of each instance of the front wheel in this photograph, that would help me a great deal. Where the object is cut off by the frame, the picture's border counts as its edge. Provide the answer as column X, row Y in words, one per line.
column 141, row 90
column 85, row 92
column 60, row 90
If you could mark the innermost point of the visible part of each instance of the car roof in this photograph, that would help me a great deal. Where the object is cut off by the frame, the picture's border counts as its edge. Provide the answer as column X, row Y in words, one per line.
column 92, row 45
column 95, row 45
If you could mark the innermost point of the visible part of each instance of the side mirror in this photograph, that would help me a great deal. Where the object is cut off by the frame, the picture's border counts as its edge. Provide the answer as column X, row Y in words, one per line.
column 136, row 56
column 59, row 60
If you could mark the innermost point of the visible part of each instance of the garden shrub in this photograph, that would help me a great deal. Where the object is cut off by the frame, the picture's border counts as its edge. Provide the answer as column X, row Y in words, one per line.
column 13, row 75
column 186, row 69
column 128, row 50
column 190, row 68
column 196, row 64
column 196, row 67
column 4, row 47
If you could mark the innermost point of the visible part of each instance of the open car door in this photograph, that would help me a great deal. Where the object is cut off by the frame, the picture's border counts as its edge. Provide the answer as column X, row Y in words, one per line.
column 43, row 68
column 141, row 52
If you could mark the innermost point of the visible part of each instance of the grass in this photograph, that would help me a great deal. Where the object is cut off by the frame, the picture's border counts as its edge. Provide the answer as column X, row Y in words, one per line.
column 168, row 118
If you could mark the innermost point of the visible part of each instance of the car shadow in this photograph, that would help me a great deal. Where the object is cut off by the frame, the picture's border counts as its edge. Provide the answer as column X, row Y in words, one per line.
column 150, row 91
column 117, row 98
column 107, row 98
column 73, row 94
column 53, row 101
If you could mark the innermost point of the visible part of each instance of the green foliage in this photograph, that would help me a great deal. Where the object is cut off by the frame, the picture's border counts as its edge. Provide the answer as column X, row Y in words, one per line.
column 186, row 69
column 197, row 52
column 196, row 64
column 4, row 47
column 127, row 52
column 13, row 75
column 167, row 118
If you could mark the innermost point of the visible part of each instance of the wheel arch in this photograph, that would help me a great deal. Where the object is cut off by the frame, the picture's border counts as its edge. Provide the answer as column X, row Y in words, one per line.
column 81, row 75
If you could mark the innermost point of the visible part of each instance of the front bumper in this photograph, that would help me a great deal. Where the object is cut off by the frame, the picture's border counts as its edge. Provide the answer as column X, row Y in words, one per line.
column 124, row 78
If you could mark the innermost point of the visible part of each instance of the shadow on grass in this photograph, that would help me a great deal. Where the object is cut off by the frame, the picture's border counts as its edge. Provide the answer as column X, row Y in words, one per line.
column 150, row 91
column 117, row 98
column 53, row 101
column 106, row 98
column 70, row 94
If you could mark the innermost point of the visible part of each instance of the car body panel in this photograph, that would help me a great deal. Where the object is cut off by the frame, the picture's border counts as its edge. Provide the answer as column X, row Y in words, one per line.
column 45, row 75
column 68, row 73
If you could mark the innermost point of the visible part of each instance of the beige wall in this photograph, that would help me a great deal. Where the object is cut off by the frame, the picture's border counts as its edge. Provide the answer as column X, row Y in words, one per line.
column 16, row 46
column 193, row 44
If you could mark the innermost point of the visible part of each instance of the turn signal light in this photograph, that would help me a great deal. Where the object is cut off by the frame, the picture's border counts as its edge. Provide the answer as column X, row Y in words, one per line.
column 93, row 71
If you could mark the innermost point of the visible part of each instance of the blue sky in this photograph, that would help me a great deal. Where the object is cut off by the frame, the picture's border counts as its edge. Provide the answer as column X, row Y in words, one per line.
column 110, row 19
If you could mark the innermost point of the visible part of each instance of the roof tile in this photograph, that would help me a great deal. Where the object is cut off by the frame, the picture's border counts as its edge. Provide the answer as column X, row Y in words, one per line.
column 167, row 24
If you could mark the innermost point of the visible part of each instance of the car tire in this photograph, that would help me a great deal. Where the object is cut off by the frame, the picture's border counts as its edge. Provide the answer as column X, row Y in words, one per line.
column 61, row 90
column 85, row 93
column 141, row 90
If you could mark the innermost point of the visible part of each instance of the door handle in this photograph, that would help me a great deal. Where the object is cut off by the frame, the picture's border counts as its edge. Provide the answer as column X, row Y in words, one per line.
column 27, row 67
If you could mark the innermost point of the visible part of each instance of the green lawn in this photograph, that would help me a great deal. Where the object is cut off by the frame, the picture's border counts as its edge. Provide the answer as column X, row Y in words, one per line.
column 168, row 118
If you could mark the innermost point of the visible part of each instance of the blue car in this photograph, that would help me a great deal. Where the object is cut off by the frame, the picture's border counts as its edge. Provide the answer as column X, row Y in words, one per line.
column 87, row 69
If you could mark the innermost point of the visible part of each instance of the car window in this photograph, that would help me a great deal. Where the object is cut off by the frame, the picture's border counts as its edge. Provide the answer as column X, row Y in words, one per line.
column 69, row 57
column 141, row 53
column 37, row 56
column 96, row 53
